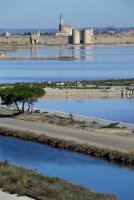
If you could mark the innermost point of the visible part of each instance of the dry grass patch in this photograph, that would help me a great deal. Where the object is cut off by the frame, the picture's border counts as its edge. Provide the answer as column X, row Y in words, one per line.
column 26, row 182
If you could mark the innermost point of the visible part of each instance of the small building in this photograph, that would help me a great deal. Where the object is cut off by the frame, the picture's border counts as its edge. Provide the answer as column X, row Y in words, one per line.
column 78, row 84
column 7, row 34
column 60, row 84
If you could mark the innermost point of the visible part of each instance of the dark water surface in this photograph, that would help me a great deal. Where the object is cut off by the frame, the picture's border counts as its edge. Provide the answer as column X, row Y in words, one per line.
column 121, row 110
column 93, row 62
column 96, row 174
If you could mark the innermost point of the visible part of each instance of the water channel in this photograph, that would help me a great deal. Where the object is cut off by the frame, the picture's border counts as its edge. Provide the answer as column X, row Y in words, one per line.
column 97, row 174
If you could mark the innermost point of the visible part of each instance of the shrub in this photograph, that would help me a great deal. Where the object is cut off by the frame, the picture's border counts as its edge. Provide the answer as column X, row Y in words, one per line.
column 112, row 125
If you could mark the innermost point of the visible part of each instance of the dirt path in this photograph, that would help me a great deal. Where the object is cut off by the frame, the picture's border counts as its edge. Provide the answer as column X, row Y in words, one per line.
column 112, row 139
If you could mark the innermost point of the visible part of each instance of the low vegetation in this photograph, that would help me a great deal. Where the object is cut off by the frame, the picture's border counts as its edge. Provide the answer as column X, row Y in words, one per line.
column 110, row 82
column 57, row 120
column 26, row 182
column 97, row 83
column 111, row 125
column 60, row 120
column 45, row 117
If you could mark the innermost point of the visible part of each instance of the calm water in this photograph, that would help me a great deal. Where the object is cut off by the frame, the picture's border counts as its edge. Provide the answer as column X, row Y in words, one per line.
column 95, row 174
column 121, row 110
column 94, row 62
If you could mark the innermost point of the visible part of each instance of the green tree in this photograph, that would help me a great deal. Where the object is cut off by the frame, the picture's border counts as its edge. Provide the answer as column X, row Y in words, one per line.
column 21, row 93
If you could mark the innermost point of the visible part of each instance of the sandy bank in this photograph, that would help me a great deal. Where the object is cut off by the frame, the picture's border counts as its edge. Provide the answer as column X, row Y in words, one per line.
column 6, row 196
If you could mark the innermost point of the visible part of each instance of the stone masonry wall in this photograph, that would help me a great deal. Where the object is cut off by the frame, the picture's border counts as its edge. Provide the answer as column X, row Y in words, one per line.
column 108, row 39
column 26, row 40
column 15, row 39
column 53, row 40
column 64, row 40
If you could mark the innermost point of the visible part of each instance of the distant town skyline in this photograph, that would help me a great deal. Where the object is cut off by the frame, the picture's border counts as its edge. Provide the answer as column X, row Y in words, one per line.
column 79, row 13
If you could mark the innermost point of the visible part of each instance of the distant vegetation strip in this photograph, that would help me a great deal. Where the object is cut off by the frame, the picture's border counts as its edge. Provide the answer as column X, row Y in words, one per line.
column 26, row 182
column 109, row 82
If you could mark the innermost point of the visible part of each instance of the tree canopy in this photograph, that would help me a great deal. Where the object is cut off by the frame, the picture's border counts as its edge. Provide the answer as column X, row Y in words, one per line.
column 21, row 94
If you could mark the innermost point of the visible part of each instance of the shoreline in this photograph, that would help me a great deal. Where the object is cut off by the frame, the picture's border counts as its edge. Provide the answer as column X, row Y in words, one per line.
column 71, row 138
column 41, row 45
column 89, row 93
column 84, row 118
column 120, row 157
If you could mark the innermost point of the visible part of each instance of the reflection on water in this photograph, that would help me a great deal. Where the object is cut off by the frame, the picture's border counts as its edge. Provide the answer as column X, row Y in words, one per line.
column 94, row 63
column 96, row 174
column 79, row 52
column 112, row 109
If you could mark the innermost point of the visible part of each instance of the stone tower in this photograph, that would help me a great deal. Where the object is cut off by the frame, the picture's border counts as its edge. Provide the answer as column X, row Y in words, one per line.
column 88, row 36
column 61, row 20
column 76, row 36
column 83, row 36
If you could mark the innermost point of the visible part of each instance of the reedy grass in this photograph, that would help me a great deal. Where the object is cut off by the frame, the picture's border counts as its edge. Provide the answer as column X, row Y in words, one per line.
column 24, row 182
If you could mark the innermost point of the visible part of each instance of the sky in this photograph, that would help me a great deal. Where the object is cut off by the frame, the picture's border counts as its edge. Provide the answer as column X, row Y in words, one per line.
column 79, row 13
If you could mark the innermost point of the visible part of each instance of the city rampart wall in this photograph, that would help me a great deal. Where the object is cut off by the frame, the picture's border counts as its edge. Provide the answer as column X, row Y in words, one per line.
column 64, row 40
column 115, row 39
column 26, row 40
column 15, row 39
column 54, row 40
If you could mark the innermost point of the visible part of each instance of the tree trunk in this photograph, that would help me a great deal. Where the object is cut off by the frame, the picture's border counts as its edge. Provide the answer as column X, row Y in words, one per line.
column 32, row 105
column 28, row 107
column 17, row 106
column 23, row 107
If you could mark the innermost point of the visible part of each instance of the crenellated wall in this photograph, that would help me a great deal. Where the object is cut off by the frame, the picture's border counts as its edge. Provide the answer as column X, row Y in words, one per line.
column 15, row 39
column 113, row 39
column 34, row 40
column 84, row 36
column 54, row 40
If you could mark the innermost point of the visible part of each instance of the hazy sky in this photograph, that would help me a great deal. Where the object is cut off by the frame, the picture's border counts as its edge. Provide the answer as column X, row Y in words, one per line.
column 79, row 13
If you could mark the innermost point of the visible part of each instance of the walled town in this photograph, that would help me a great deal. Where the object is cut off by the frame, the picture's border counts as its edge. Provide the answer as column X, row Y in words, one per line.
column 67, row 34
